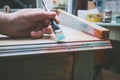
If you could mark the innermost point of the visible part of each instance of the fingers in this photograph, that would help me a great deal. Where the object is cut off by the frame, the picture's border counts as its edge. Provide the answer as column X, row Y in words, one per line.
column 48, row 30
column 40, row 33
column 40, row 20
column 36, row 34
column 40, row 15
column 56, row 19
column 41, row 24
column 48, row 15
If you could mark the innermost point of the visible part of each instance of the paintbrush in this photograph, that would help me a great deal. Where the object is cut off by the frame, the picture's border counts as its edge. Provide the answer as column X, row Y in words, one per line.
column 58, row 32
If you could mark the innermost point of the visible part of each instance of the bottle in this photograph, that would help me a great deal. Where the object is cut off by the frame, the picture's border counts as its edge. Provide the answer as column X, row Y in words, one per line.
column 107, row 16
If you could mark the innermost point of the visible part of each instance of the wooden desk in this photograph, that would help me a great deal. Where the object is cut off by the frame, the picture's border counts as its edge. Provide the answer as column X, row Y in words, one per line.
column 47, row 59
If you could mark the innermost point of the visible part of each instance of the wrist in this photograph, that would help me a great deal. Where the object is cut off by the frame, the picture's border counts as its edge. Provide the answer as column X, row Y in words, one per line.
column 4, row 22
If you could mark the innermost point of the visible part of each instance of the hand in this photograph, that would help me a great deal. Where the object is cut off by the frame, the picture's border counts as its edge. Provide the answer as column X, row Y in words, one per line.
column 28, row 22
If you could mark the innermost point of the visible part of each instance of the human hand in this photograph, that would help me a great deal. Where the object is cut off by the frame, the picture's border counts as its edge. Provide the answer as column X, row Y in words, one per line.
column 28, row 22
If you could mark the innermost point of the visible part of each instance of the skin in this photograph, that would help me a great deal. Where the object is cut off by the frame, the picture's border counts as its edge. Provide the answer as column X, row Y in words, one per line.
column 27, row 23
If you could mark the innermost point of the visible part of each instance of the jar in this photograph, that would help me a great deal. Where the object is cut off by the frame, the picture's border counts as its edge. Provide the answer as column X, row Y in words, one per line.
column 118, row 19
column 107, row 16
column 107, row 12
column 106, row 19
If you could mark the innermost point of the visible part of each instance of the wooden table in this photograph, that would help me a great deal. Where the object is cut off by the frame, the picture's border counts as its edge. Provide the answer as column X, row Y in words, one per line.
column 48, row 59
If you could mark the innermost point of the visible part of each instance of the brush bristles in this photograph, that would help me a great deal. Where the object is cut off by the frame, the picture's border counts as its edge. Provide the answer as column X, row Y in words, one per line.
column 59, row 35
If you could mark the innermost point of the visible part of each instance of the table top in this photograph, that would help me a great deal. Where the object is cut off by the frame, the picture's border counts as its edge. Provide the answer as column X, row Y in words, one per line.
column 75, row 41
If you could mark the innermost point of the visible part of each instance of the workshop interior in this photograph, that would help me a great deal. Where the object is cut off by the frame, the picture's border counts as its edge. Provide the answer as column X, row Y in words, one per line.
column 103, row 13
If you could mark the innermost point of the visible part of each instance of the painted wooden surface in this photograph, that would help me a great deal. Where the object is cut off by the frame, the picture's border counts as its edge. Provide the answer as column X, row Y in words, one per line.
column 82, row 25
column 32, row 49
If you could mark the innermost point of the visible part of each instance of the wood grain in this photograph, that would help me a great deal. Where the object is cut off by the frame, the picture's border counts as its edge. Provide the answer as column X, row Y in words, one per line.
column 37, row 67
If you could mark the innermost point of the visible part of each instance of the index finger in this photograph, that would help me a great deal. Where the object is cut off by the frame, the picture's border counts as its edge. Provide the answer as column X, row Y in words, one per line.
column 37, row 15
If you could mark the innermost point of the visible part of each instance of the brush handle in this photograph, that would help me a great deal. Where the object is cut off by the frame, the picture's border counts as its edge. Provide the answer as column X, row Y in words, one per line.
column 45, row 6
column 54, row 25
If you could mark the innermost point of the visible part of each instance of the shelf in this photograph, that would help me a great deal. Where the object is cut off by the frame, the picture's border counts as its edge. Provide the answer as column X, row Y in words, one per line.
column 108, row 24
